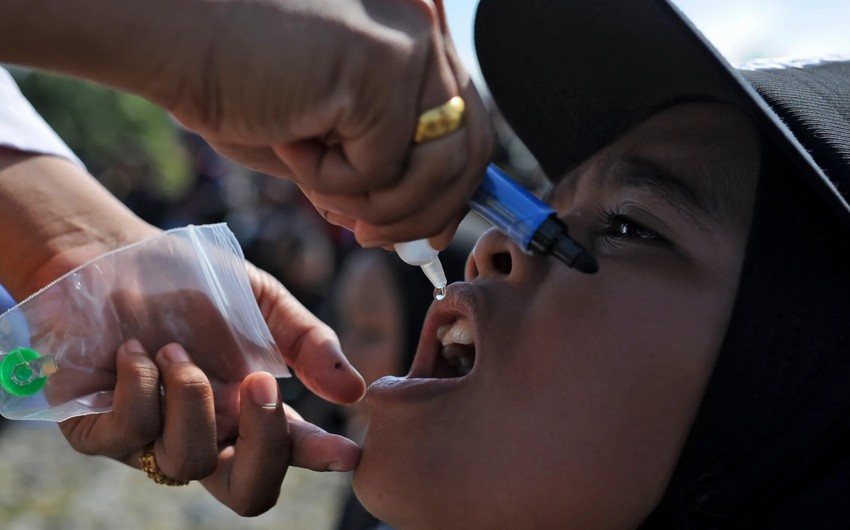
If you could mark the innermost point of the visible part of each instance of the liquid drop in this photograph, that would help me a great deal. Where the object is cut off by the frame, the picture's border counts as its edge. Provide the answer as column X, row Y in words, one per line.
column 439, row 293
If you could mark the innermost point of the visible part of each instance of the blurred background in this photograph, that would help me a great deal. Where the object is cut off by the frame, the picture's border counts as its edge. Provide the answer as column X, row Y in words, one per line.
column 171, row 178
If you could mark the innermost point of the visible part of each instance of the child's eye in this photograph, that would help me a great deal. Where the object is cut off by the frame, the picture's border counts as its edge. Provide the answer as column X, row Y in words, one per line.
column 628, row 229
column 621, row 228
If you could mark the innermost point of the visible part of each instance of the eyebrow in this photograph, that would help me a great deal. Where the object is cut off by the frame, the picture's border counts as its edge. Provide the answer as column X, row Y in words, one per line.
column 647, row 175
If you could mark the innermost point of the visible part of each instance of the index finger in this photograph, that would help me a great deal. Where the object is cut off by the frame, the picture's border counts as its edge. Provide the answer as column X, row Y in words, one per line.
column 308, row 345
column 135, row 419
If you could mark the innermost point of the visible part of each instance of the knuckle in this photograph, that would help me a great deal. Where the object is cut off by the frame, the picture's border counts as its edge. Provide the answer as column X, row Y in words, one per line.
column 427, row 13
column 78, row 433
column 146, row 381
column 413, row 25
column 374, row 215
column 139, row 431
column 189, row 380
column 191, row 463
column 302, row 443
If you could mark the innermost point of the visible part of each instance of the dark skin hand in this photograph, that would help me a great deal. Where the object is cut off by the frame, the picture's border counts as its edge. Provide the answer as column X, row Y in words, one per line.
column 338, row 121
column 56, row 217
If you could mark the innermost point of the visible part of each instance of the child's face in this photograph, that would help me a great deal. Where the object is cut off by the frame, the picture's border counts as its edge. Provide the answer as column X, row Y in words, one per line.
column 583, row 387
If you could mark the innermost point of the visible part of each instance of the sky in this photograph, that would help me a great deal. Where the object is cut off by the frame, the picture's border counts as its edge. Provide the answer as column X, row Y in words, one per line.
column 740, row 29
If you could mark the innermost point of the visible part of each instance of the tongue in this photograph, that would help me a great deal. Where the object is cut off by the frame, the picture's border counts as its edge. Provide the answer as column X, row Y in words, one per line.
column 457, row 360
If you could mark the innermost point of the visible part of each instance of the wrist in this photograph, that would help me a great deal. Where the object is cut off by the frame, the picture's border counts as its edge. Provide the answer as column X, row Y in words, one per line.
column 53, row 218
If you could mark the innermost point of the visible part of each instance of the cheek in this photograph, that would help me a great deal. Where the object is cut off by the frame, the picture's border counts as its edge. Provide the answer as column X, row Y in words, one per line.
column 582, row 397
column 606, row 391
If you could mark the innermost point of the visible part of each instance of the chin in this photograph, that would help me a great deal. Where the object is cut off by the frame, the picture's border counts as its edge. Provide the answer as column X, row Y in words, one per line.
column 381, row 485
column 400, row 485
column 410, row 483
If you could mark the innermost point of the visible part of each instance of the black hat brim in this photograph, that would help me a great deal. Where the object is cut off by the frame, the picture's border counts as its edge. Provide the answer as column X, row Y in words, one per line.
column 571, row 76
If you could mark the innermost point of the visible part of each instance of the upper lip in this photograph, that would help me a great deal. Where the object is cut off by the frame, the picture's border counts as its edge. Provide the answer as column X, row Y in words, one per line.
column 459, row 303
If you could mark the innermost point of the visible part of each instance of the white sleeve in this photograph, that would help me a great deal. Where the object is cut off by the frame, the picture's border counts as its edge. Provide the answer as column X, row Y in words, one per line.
column 22, row 128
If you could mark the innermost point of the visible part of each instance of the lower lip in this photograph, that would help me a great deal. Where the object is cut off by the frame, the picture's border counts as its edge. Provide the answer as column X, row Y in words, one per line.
column 398, row 389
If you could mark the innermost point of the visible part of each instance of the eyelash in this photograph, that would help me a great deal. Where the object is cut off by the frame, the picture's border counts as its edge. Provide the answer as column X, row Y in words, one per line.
column 615, row 227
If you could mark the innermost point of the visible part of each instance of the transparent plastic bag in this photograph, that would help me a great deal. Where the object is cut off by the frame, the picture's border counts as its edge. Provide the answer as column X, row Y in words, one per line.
column 188, row 285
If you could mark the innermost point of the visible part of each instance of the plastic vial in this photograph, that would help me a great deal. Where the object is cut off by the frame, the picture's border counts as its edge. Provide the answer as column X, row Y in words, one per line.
column 421, row 254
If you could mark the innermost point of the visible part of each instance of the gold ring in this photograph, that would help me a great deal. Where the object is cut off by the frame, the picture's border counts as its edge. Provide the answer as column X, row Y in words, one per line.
column 440, row 121
column 148, row 463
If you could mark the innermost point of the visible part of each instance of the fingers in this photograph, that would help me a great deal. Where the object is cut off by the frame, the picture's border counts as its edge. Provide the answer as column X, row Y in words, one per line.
column 135, row 420
column 249, row 473
column 187, row 449
column 416, row 208
column 433, row 185
column 313, row 448
column 353, row 167
column 434, row 192
column 439, row 84
column 440, row 207
column 245, row 475
column 398, row 68
column 309, row 346
column 258, row 158
column 183, row 431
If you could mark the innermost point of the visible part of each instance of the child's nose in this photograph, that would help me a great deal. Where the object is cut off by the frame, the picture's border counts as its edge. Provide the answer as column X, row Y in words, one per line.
column 495, row 254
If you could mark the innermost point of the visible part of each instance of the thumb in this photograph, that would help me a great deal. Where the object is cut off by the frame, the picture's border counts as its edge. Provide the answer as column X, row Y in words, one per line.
column 315, row 449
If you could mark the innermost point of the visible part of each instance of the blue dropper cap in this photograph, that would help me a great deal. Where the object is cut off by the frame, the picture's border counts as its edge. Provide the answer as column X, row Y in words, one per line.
column 528, row 221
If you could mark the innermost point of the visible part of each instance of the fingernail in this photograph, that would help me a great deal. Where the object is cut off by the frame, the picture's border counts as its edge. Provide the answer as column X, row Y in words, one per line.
column 265, row 392
column 134, row 346
column 349, row 454
column 337, row 466
column 175, row 353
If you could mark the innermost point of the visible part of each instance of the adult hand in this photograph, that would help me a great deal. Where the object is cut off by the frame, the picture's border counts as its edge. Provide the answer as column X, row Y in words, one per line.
column 336, row 112
column 324, row 93
column 55, row 218
column 237, row 439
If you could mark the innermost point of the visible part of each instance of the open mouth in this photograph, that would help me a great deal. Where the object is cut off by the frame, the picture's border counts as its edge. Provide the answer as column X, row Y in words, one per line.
column 447, row 357
column 447, row 347
column 457, row 352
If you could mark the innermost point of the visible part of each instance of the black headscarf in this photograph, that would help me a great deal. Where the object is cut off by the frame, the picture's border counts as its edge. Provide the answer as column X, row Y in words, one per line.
column 770, row 447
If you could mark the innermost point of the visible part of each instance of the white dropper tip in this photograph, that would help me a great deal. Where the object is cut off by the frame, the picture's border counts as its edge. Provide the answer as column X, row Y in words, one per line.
column 422, row 254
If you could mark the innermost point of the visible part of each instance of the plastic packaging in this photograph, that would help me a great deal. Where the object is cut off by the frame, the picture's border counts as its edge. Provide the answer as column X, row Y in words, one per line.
column 188, row 285
column 422, row 254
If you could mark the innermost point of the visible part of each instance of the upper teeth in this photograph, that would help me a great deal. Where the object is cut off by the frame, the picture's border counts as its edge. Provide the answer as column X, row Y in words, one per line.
column 460, row 332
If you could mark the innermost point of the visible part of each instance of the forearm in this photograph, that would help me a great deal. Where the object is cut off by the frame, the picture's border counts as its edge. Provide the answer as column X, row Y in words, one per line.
column 142, row 46
column 54, row 217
